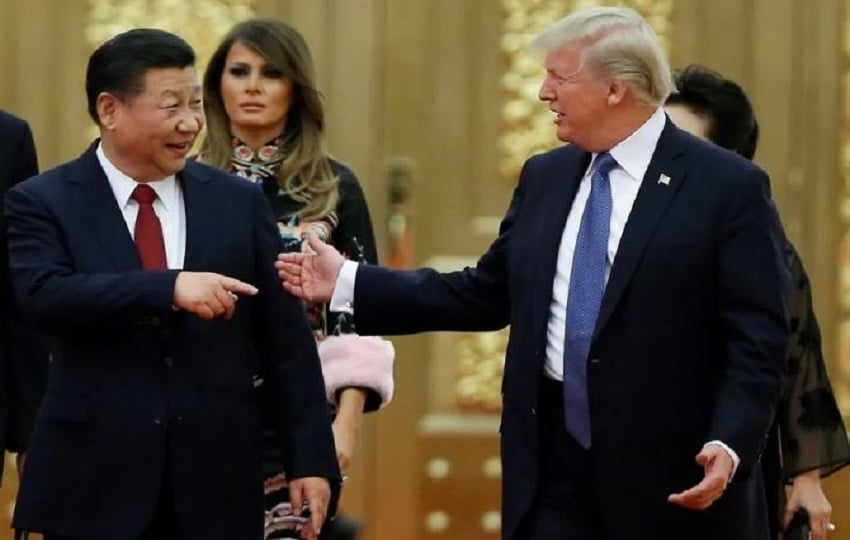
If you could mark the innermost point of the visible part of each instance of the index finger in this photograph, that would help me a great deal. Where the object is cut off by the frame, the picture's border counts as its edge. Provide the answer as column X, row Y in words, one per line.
column 238, row 287
column 291, row 257
column 318, row 510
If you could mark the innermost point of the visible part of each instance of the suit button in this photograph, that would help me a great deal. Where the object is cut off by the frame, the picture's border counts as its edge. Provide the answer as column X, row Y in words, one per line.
column 533, row 411
column 595, row 361
column 168, row 361
column 157, row 420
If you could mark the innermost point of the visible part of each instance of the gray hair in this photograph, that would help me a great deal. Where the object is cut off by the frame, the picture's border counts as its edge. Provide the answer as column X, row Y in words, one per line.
column 620, row 43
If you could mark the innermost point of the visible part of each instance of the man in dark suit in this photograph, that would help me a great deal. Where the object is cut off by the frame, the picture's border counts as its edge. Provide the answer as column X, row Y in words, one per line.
column 23, row 355
column 156, row 279
column 640, row 271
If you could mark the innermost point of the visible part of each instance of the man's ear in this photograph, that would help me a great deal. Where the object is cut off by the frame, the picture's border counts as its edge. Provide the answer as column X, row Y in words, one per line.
column 617, row 90
column 108, row 108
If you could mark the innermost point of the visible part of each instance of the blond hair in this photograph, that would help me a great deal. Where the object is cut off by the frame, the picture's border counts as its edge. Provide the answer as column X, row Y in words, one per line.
column 620, row 43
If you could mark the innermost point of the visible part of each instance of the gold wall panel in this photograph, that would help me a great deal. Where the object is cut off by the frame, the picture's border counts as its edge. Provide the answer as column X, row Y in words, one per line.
column 200, row 22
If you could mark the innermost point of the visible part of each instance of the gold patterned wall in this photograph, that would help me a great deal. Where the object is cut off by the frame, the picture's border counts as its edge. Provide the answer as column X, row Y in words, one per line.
column 200, row 22
column 841, row 368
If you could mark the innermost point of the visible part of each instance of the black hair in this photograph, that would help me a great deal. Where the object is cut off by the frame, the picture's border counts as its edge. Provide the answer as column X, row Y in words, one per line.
column 119, row 65
column 731, row 120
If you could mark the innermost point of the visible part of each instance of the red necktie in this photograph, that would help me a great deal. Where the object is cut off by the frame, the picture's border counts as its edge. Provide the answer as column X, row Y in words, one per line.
column 148, row 236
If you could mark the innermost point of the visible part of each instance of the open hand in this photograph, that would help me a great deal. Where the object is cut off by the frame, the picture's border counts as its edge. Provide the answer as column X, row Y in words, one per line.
column 311, row 275
column 718, row 466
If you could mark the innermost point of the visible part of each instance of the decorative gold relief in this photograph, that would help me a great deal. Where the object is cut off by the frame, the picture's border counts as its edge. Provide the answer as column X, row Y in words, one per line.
column 200, row 22
column 491, row 521
column 527, row 123
column 437, row 521
column 439, row 468
column 492, row 467
column 841, row 368
column 481, row 359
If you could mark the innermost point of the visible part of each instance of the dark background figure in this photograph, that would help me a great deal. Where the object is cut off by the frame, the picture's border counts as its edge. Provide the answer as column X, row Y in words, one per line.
column 155, row 280
column 23, row 352
column 808, row 440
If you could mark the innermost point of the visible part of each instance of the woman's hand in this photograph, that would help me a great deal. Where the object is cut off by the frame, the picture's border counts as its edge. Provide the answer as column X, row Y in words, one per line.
column 806, row 492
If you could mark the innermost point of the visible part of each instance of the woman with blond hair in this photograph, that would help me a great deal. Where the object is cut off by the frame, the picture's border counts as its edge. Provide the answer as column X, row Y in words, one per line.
column 266, row 123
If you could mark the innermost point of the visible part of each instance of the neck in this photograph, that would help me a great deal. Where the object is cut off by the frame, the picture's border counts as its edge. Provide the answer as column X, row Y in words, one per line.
column 125, row 165
column 626, row 122
column 256, row 137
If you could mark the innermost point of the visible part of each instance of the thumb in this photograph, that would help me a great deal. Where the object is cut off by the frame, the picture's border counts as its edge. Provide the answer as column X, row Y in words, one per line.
column 703, row 458
column 315, row 244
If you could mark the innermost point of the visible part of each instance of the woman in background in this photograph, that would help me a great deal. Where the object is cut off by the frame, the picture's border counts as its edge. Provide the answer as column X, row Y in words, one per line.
column 808, row 440
column 266, row 122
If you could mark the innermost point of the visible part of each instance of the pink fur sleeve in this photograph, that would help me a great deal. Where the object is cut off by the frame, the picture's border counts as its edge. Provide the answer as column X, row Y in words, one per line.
column 350, row 360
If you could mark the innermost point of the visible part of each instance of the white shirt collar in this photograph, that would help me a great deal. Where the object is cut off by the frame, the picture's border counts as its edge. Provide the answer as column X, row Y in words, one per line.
column 634, row 153
column 123, row 186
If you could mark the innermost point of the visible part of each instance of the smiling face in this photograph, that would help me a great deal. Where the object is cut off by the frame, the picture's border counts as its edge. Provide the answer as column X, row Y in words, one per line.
column 256, row 95
column 148, row 136
column 578, row 96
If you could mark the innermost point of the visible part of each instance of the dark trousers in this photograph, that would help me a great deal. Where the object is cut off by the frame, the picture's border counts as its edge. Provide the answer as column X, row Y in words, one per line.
column 566, row 506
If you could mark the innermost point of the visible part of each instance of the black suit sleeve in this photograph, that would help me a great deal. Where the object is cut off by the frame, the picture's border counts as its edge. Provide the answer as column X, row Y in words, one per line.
column 25, row 350
column 57, row 297
column 752, row 291
column 290, row 363
column 474, row 299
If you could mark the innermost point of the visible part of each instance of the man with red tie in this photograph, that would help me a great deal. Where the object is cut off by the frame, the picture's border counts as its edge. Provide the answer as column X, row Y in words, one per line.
column 155, row 278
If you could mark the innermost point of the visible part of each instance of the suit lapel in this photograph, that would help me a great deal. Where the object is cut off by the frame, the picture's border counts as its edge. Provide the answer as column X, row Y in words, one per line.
column 567, row 173
column 101, row 212
column 661, row 182
column 200, row 219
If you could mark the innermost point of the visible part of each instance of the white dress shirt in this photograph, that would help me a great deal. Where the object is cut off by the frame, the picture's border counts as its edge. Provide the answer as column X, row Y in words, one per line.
column 168, row 207
column 633, row 155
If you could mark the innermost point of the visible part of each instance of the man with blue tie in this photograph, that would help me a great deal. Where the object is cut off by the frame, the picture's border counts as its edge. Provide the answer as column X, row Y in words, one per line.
column 639, row 269
column 155, row 278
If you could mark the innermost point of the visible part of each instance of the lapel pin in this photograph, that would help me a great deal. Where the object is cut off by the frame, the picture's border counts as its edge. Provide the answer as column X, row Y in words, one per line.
column 664, row 180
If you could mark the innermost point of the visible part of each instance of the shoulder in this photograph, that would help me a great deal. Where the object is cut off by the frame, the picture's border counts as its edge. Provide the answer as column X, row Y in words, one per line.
column 223, row 179
column 349, row 185
column 346, row 177
column 50, row 186
column 11, row 125
column 721, row 169
column 556, row 156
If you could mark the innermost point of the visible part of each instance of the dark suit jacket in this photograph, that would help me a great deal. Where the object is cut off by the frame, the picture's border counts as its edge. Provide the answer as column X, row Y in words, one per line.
column 134, row 383
column 688, row 346
column 23, row 353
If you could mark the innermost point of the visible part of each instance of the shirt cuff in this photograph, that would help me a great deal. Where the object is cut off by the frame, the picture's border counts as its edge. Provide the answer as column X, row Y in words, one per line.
column 732, row 454
column 342, row 300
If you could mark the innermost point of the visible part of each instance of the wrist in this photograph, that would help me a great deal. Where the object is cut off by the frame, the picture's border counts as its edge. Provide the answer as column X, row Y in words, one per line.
column 808, row 477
